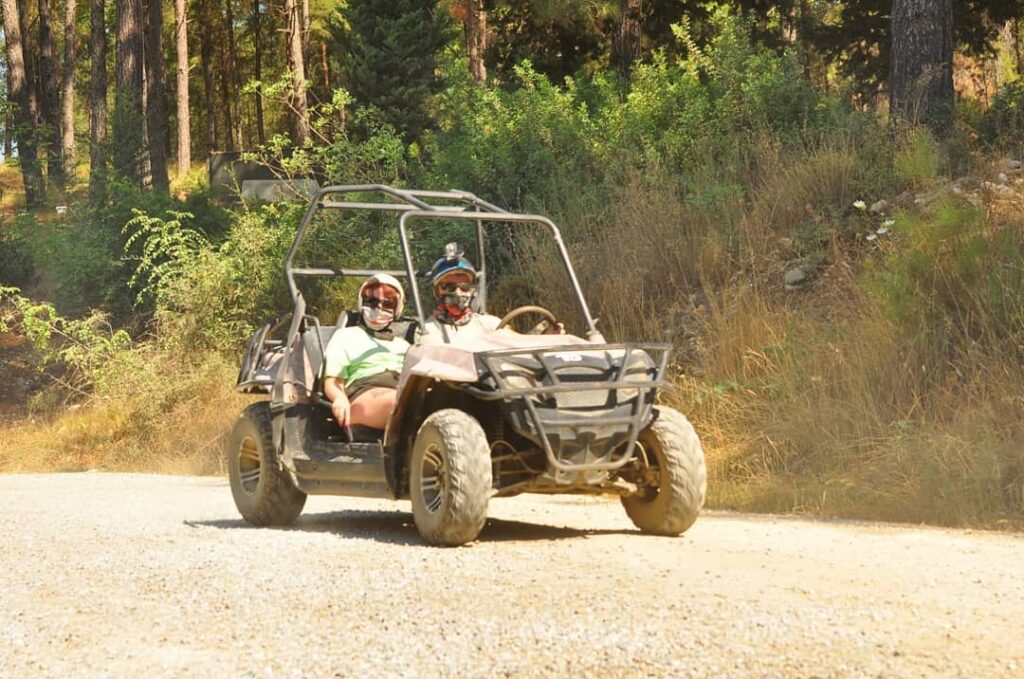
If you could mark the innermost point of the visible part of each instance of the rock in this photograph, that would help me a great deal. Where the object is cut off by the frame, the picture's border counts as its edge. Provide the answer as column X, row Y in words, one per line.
column 904, row 198
column 1002, row 177
column 967, row 183
column 795, row 278
column 1014, row 164
column 879, row 207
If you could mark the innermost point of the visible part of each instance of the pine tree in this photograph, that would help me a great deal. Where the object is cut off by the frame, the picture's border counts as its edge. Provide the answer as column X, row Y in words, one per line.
column 391, row 61
column 921, row 81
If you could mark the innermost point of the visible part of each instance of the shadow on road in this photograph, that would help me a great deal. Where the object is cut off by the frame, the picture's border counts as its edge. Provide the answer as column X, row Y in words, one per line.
column 398, row 527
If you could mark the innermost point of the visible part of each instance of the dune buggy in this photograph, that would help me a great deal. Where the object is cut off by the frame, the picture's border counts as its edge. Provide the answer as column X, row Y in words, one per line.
column 503, row 414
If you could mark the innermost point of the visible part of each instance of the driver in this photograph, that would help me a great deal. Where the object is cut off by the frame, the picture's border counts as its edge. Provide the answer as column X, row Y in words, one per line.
column 362, row 362
column 453, row 280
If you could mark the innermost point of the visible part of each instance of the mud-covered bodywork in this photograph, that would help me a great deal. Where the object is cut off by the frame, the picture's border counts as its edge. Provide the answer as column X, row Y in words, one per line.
column 578, row 403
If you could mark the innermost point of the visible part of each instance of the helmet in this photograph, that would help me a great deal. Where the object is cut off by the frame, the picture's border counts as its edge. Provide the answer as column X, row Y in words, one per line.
column 453, row 260
column 383, row 280
column 454, row 305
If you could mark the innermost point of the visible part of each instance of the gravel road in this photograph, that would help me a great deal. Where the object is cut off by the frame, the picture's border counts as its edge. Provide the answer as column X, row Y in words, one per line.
column 140, row 575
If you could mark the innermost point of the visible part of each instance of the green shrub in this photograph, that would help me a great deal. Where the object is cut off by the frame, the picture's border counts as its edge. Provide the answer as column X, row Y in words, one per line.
column 15, row 265
column 958, row 284
column 1003, row 123
column 919, row 158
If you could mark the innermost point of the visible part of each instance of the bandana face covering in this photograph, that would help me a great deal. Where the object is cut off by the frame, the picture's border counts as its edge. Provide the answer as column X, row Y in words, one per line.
column 454, row 302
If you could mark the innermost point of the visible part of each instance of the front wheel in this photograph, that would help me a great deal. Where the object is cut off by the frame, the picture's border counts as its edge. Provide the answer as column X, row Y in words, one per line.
column 450, row 478
column 674, row 479
column 263, row 492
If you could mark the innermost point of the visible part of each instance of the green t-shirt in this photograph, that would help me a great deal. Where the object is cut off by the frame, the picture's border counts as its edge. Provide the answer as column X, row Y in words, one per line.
column 353, row 355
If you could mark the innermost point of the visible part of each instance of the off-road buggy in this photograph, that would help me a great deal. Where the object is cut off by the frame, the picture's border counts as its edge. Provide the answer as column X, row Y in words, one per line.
column 503, row 414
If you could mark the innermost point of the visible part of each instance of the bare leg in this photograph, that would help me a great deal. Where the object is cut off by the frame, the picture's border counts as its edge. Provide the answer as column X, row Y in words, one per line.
column 373, row 407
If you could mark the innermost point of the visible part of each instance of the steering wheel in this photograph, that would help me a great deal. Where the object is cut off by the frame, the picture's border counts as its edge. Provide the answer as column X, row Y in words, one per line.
column 528, row 309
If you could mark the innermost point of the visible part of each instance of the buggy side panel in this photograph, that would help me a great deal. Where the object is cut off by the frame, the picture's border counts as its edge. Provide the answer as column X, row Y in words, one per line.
column 261, row 361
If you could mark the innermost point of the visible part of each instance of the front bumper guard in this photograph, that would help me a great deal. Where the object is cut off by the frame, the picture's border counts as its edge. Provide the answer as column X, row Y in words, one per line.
column 561, row 420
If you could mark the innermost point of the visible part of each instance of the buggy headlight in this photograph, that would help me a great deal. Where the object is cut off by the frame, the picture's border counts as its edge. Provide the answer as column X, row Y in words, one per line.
column 513, row 376
column 640, row 369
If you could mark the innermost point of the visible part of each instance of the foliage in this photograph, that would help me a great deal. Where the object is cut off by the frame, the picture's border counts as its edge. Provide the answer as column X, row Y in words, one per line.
column 15, row 266
column 919, row 158
column 856, row 34
column 389, row 60
column 957, row 282
column 88, row 351
column 1003, row 122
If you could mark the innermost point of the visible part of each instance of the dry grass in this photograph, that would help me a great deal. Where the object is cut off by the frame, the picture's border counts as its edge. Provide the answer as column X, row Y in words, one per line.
column 165, row 428
column 12, row 190
column 819, row 401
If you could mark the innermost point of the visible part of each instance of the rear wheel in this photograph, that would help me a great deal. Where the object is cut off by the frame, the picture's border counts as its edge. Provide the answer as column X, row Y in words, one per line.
column 450, row 478
column 263, row 492
column 674, row 479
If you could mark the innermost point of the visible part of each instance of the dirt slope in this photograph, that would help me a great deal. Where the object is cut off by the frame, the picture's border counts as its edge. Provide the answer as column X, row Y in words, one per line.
column 132, row 575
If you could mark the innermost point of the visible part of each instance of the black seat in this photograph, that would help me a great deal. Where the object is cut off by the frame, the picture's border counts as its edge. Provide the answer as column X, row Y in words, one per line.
column 314, row 340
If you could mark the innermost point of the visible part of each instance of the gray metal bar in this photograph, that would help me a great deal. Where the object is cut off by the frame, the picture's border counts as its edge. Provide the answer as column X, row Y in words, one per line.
column 328, row 272
column 481, row 291
column 479, row 201
column 384, row 207
column 373, row 188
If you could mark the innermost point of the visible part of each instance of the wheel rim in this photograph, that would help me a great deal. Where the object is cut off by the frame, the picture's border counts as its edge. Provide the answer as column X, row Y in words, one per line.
column 249, row 465
column 433, row 478
column 651, row 474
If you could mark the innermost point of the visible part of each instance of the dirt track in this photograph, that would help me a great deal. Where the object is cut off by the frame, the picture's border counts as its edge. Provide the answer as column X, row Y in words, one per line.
column 131, row 575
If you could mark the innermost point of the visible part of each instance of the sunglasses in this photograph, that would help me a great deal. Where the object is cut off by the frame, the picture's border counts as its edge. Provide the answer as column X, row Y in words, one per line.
column 377, row 303
column 449, row 288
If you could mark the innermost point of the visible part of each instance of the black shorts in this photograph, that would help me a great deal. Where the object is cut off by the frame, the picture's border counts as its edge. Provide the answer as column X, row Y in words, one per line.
column 388, row 380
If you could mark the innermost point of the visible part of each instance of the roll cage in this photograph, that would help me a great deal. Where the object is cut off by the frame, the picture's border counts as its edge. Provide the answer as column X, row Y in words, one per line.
column 413, row 205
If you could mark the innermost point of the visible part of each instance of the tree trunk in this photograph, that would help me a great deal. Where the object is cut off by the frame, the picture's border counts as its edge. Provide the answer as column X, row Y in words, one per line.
column 232, row 73
column 19, row 95
column 129, row 122
column 49, row 107
column 226, row 100
column 300, row 114
column 921, row 76
column 1017, row 47
column 98, row 102
column 206, row 57
column 305, row 29
column 476, row 39
column 30, row 71
column 184, row 121
column 261, row 135
column 67, row 124
column 156, row 96
column 626, row 45
column 8, row 115
column 325, row 66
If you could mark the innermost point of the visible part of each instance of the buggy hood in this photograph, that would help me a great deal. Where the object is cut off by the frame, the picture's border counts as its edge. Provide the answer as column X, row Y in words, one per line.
column 456, row 361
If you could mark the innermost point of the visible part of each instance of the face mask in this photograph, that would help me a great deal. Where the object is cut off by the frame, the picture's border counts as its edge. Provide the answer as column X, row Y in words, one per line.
column 376, row 318
column 459, row 299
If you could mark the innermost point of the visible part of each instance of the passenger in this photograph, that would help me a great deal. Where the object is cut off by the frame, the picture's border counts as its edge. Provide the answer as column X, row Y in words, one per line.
column 362, row 362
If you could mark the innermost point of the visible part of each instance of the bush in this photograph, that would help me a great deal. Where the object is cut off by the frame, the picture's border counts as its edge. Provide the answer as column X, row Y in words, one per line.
column 15, row 264
column 1003, row 123
column 958, row 283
